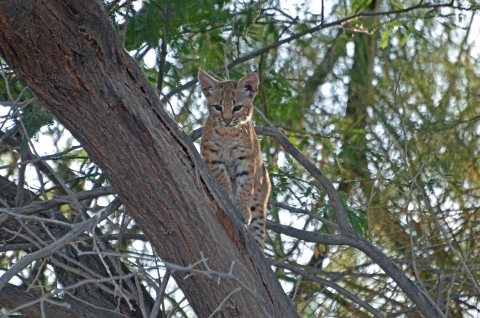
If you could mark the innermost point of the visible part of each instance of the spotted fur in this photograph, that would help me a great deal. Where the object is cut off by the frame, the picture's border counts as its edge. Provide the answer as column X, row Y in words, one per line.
column 231, row 149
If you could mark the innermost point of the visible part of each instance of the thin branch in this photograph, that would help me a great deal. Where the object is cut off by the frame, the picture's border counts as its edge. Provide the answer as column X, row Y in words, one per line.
column 38, row 219
column 223, row 301
column 125, row 26
column 70, row 287
column 160, row 293
column 425, row 198
column 49, row 157
column 40, row 206
column 301, row 34
column 333, row 196
column 254, row 20
column 49, row 250
column 71, row 194
column 264, row 118
column 301, row 211
column 330, row 284
column 19, row 199
column 163, row 53
column 141, row 301
column 407, row 213
column 118, row 287
column 82, row 239
column 225, row 45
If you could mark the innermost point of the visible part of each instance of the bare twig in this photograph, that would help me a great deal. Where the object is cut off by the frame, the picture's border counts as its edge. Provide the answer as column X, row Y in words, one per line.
column 125, row 26
column 295, row 36
column 313, row 215
column 82, row 239
column 225, row 45
column 160, row 293
column 141, row 301
column 163, row 53
column 21, row 183
column 40, row 206
column 75, row 202
column 38, row 219
column 49, row 157
column 264, row 118
column 254, row 20
column 330, row 284
column 100, row 247
column 223, row 301
column 67, row 288
column 52, row 248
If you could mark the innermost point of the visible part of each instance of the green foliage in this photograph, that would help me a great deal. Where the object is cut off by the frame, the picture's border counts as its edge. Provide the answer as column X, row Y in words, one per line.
column 35, row 116
column 386, row 106
column 29, row 120
column 385, row 38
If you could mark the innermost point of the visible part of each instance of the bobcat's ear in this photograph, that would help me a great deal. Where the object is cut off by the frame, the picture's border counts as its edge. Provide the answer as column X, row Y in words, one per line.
column 207, row 83
column 249, row 84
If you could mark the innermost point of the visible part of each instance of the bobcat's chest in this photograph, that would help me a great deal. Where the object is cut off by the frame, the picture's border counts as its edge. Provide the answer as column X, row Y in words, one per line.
column 228, row 148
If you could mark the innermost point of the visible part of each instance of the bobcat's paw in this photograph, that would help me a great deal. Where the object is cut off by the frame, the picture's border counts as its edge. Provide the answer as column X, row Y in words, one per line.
column 245, row 213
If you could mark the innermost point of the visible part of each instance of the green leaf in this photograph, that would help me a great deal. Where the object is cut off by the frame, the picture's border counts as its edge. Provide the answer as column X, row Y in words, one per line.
column 398, row 5
column 329, row 147
column 309, row 190
column 385, row 38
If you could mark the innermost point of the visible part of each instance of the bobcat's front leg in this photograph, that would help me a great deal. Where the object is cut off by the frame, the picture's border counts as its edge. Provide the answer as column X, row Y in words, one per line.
column 219, row 170
column 244, row 183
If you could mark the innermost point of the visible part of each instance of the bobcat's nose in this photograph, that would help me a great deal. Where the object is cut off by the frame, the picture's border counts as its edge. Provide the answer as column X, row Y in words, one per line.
column 227, row 121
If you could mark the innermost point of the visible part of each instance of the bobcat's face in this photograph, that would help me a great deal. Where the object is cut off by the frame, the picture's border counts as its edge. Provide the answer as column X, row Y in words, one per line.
column 231, row 109
column 229, row 102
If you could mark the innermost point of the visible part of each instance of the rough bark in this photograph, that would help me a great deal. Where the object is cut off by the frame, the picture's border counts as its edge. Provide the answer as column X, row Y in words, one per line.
column 69, row 55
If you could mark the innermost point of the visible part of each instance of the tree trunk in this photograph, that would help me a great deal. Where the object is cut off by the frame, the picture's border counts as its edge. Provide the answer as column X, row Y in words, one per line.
column 69, row 55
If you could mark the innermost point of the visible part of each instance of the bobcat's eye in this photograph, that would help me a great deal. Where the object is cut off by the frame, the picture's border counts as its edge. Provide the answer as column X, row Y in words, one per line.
column 237, row 108
column 218, row 107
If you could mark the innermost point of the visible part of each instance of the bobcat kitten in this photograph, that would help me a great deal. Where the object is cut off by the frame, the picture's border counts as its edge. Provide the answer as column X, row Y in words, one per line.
column 231, row 149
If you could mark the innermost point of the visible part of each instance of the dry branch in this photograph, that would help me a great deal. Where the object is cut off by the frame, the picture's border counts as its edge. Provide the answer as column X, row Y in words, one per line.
column 49, row 250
